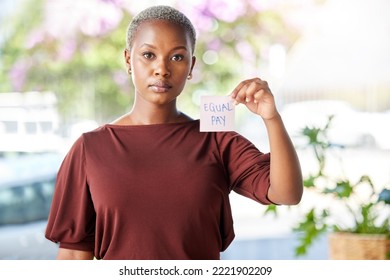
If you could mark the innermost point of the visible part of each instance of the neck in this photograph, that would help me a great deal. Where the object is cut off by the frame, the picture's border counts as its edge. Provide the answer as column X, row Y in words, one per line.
column 144, row 115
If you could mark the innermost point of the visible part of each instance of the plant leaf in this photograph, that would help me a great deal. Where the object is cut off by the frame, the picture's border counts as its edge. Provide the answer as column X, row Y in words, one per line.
column 343, row 189
column 310, row 229
column 309, row 182
column 384, row 195
column 271, row 209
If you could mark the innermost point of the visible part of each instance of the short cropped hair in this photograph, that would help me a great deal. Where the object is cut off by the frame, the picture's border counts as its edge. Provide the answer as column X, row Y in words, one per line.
column 160, row 12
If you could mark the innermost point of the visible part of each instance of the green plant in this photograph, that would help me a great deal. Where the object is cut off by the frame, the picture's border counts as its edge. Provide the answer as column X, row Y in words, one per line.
column 358, row 200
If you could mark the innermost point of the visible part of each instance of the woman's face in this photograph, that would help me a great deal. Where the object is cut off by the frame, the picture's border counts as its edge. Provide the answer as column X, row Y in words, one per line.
column 160, row 60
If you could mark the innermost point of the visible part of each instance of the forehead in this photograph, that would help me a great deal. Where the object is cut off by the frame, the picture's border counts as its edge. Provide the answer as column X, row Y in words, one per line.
column 161, row 30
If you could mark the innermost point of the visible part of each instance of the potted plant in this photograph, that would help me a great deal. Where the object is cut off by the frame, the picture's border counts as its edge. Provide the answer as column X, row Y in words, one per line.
column 355, row 213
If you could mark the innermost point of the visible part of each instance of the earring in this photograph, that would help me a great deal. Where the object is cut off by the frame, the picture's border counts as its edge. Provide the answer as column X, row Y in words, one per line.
column 189, row 76
column 129, row 71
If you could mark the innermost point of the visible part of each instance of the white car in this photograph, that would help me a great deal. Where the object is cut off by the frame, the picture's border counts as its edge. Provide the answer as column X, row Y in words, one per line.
column 348, row 128
column 26, row 190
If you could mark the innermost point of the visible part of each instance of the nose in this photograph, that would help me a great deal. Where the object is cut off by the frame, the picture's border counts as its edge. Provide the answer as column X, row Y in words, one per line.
column 162, row 68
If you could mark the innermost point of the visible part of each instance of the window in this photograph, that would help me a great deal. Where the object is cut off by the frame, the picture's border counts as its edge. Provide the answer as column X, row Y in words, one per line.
column 31, row 127
column 46, row 126
column 10, row 126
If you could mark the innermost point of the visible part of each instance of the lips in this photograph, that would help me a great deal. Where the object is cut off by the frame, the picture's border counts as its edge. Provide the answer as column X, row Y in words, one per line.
column 160, row 86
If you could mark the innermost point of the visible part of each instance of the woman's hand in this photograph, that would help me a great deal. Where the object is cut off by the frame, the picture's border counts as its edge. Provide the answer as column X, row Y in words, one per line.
column 257, row 97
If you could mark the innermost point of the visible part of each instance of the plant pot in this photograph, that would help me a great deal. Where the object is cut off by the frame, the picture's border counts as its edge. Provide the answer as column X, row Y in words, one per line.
column 356, row 246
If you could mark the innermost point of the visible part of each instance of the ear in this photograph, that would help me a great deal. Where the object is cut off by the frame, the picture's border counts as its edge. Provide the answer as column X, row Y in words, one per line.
column 126, row 54
column 192, row 64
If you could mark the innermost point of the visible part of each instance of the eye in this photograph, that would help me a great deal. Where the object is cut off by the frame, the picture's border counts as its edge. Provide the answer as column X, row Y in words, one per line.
column 148, row 55
column 177, row 57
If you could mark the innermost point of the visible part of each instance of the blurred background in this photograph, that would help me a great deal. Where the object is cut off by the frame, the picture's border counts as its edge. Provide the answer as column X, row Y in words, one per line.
column 62, row 73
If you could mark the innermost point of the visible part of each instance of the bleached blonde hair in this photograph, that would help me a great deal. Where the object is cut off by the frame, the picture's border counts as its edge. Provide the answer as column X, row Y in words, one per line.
column 160, row 12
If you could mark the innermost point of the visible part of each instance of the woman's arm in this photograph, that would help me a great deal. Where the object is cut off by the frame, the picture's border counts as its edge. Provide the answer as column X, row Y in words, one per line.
column 286, row 185
column 285, row 172
column 68, row 254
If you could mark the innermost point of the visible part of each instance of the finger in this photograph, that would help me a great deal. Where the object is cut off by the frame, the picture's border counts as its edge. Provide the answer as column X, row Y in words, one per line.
column 241, row 94
column 240, row 86
column 250, row 91
column 237, row 89
column 249, row 87
column 257, row 96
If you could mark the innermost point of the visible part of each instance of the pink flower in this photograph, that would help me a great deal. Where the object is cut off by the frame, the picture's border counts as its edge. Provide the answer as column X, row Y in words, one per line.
column 17, row 74
column 66, row 50
column 63, row 18
column 35, row 37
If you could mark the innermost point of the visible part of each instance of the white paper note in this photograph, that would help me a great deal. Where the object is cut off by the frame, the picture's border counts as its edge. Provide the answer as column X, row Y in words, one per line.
column 216, row 113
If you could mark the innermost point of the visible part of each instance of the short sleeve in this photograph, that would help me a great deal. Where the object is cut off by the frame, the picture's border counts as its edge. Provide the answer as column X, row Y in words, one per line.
column 247, row 168
column 71, row 220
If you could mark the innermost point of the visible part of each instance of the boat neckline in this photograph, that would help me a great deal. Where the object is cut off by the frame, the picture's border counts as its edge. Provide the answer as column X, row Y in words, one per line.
column 150, row 125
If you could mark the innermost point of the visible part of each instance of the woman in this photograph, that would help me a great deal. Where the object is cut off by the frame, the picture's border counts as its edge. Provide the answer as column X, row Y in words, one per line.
column 150, row 185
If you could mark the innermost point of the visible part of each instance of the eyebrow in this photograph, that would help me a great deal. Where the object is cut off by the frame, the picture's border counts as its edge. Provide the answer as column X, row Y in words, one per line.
column 153, row 47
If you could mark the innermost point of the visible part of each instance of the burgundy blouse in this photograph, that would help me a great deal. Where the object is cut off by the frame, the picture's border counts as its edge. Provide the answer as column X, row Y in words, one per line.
column 154, row 191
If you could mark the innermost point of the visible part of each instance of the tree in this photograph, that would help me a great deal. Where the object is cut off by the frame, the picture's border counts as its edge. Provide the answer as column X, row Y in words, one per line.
column 75, row 49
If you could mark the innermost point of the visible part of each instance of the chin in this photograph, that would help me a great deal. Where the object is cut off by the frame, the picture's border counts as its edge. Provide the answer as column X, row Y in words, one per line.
column 163, row 100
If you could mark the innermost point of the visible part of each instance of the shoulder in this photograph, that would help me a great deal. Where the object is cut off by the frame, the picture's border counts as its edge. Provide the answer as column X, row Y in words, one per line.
column 95, row 133
column 81, row 140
